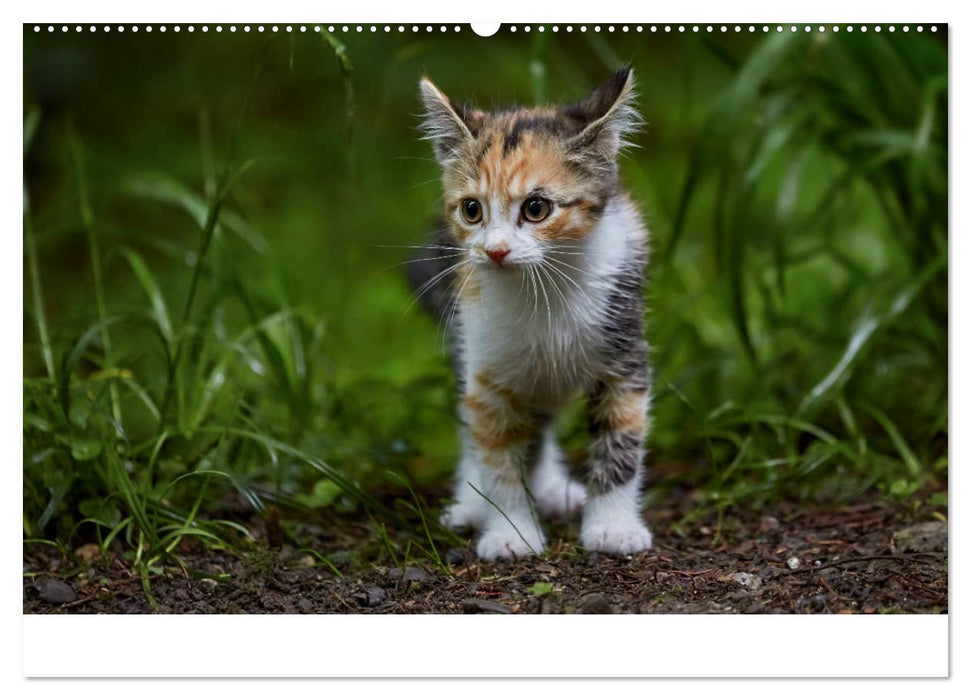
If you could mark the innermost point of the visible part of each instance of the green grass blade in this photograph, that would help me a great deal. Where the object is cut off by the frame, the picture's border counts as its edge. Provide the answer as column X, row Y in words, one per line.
column 31, row 122
column 330, row 472
column 33, row 267
column 94, row 251
column 347, row 73
column 160, row 310
column 906, row 453
column 864, row 329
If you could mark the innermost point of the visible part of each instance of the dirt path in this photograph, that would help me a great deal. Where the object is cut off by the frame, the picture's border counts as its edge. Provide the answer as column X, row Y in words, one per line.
column 858, row 559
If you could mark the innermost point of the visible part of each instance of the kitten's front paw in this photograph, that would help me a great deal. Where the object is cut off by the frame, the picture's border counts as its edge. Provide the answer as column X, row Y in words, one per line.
column 621, row 538
column 560, row 499
column 506, row 543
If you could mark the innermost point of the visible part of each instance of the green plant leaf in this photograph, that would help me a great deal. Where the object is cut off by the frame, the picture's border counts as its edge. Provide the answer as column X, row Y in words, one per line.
column 100, row 510
column 540, row 588
column 85, row 449
column 322, row 495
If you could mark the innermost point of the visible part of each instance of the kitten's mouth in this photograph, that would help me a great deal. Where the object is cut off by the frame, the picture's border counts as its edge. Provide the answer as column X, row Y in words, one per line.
column 499, row 266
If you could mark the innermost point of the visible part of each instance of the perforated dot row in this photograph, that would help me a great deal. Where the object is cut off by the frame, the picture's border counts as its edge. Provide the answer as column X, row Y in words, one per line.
column 302, row 28
column 709, row 28
column 414, row 28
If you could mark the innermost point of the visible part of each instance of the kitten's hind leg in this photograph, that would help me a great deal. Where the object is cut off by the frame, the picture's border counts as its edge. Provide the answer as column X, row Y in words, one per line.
column 555, row 493
column 469, row 508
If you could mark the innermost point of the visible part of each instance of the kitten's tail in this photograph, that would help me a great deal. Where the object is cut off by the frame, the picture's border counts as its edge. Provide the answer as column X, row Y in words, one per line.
column 431, row 264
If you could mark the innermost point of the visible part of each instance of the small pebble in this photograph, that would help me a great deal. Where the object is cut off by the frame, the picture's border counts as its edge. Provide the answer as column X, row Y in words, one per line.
column 747, row 580
column 924, row 537
column 412, row 574
column 88, row 552
column 477, row 605
column 375, row 596
column 769, row 523
column 55, row 592
column 595, row 604
column 793, row 562
column 304, row 605
column 455, row 556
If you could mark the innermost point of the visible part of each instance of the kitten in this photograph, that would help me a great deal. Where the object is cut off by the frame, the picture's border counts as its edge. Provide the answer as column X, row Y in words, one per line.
column 544, row 255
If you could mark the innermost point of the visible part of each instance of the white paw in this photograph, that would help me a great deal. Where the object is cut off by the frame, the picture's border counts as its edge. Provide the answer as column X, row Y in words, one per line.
column 462, row 515
column 506, row 543
column 621, row 538
column 561, row 499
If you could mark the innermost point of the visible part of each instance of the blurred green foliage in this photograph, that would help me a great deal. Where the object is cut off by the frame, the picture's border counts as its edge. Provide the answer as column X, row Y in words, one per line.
column 213, row 227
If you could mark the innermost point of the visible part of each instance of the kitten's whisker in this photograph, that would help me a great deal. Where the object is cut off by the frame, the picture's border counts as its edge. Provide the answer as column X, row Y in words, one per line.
column 561, row 262
column 553, row 355
column 424, row 288
column 429, row 160
column 419, row 247
column 533, row 291
column 567, row 277
column 549, row 310
column 416, row 260
column 454, row 307
column 578, row 287
column 522, row 284
column 422, row 184
column 566, row 316
column 435, row 279
column 556, row 287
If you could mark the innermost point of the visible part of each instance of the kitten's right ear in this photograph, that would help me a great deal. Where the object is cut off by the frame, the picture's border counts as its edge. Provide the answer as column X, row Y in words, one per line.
column 442, row 124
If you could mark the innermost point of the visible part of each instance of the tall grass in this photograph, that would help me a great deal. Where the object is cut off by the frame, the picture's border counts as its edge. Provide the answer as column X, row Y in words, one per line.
column 814, row 207
column 143, row 457
column 242, row 340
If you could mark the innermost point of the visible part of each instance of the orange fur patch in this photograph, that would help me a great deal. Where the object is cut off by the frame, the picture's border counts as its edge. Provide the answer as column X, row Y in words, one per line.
column 496, row 419
column 485, row 379
column 501, row 438
column 626, row 411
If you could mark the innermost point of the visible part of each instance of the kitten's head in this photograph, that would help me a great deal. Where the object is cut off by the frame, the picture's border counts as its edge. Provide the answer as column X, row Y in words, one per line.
column 520, row 183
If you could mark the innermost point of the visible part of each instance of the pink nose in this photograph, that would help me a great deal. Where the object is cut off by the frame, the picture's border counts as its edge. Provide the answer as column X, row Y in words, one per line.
column 497, row 254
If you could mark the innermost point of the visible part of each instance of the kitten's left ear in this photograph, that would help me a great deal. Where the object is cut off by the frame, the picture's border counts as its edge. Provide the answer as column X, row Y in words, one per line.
column 442, row 124
column 608, row 117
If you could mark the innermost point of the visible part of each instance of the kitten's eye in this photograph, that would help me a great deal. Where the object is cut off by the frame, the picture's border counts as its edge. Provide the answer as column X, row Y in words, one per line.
column 535, row 209
column 471, row 211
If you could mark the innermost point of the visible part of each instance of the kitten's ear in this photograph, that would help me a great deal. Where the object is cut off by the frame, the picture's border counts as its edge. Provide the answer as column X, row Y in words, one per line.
column 608, row 117
column 442, row 124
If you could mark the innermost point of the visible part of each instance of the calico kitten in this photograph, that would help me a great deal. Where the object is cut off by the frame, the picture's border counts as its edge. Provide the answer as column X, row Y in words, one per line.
column 544, row 255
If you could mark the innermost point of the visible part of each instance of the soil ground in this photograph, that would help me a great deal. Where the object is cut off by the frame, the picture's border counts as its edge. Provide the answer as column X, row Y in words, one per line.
column 864, row 558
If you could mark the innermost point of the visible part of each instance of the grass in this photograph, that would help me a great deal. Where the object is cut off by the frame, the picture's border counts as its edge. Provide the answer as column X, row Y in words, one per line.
column 213, row 311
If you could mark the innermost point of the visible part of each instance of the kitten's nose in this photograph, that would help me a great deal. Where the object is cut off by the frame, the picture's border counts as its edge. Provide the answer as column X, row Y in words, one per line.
column 497, row 254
